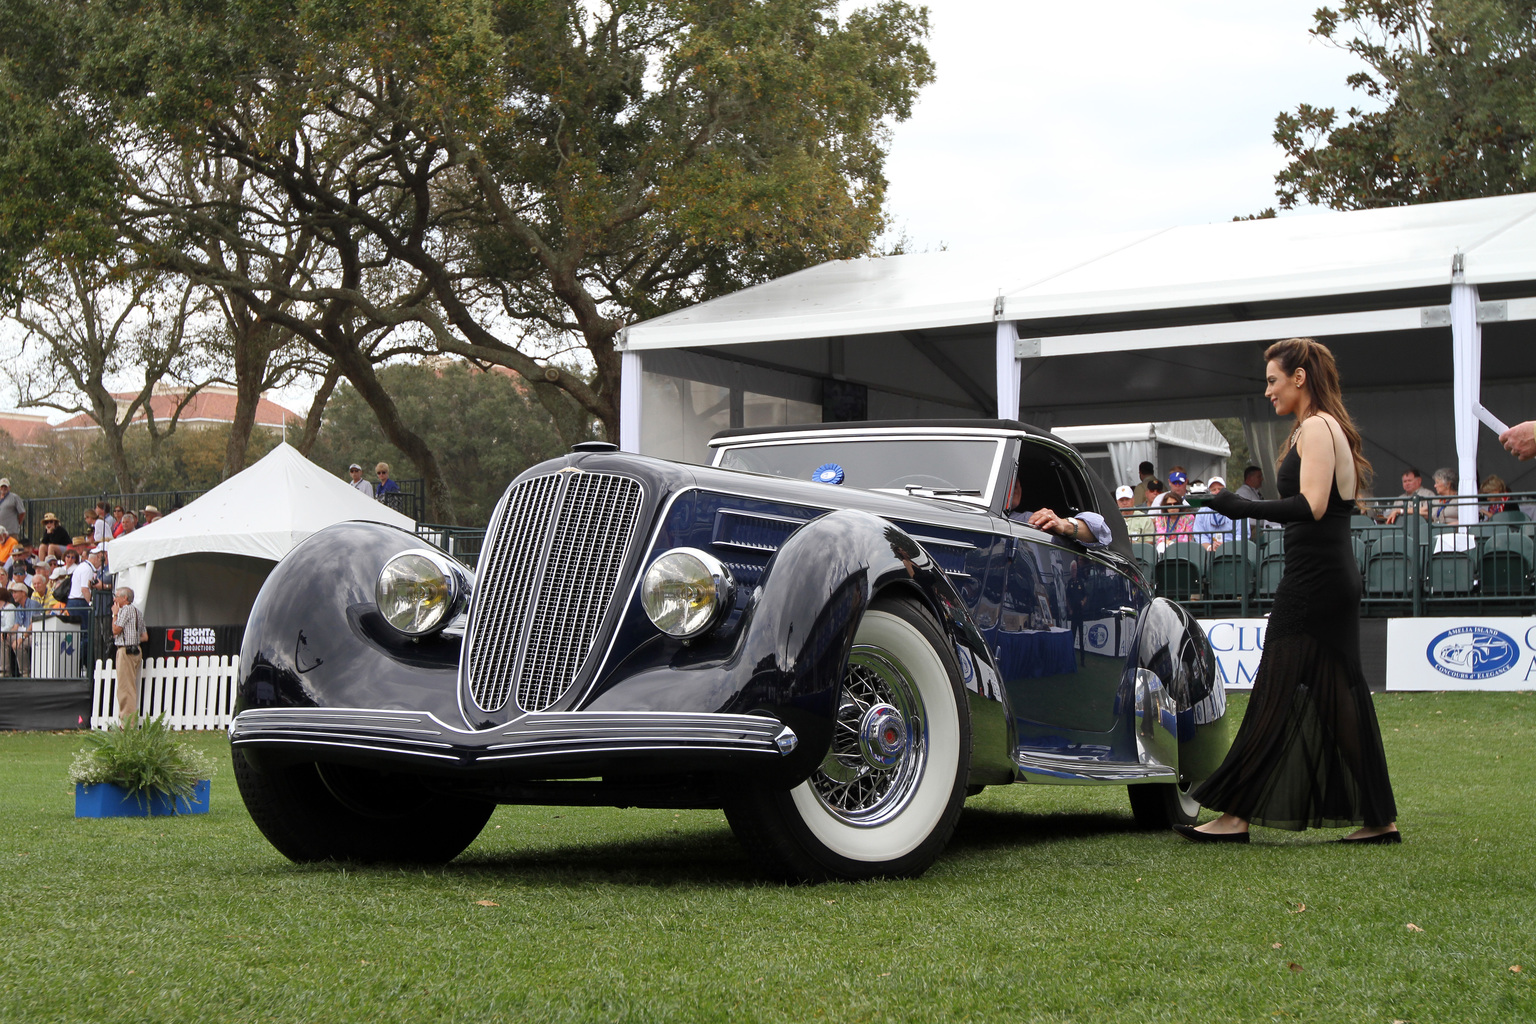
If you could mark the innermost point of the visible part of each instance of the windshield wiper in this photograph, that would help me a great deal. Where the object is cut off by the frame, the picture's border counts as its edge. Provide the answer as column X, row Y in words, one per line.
column 917, row 488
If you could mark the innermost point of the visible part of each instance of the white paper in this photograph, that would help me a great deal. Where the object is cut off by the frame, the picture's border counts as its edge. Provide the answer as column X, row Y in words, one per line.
column 1490, row 420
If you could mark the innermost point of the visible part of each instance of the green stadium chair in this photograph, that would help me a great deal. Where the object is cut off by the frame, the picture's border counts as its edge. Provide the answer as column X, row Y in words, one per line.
column 1507, row 562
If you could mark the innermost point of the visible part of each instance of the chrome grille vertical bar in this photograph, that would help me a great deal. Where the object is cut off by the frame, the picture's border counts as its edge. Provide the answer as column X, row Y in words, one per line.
column 507, row 588
column 586, row 553
column 547, row 578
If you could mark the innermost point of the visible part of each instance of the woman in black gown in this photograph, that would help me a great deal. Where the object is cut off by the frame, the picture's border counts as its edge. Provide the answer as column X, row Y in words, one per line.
column 1308, row 753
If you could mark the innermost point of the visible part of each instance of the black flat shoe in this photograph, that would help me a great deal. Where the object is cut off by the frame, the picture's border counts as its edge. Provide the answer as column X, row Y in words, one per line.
column 1194, row 835
column 1380, row 839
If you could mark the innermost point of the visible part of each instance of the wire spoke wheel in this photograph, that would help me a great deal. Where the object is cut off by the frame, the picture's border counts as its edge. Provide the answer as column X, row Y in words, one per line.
column 880, row 714
column 885, row 798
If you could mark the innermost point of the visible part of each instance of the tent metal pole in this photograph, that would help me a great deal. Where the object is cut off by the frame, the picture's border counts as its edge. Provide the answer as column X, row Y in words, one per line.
column 1466, row 389
column 1007, row 370
column 629, row 401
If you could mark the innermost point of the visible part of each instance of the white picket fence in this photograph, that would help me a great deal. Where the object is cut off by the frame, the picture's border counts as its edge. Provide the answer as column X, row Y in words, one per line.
column 193, row 693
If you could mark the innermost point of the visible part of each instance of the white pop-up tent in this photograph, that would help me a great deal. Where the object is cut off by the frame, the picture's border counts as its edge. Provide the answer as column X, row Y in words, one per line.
column 1115, row 450
column 203, row 565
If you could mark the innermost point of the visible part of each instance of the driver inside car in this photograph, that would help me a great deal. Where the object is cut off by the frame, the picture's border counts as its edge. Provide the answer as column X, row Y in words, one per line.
column 1087, row 528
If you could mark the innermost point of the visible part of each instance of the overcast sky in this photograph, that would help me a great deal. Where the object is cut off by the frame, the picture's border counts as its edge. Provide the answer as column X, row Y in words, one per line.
column 1049, row 119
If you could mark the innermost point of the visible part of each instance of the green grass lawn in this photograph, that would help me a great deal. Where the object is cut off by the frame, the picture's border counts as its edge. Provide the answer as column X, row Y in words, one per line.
column 1046, row 907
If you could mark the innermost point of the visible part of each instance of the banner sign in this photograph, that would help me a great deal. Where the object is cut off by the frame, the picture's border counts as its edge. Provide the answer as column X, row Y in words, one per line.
column 1461, row 653
column 192, row 641
column 1237, row 643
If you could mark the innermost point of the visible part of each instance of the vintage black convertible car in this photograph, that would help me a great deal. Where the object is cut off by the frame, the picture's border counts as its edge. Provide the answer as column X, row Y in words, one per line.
column 835, row 633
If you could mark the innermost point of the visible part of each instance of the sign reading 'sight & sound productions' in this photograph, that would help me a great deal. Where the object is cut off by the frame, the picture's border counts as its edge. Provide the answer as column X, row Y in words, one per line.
column 1461, row 654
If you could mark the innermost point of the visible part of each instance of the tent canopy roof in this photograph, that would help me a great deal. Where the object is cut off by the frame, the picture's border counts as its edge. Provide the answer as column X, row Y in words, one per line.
column 263, row 512
column 1195, row 435
column 1283, row 260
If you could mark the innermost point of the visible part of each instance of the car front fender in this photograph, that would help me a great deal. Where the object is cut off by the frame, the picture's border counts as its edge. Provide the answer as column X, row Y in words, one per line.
column 787, row 655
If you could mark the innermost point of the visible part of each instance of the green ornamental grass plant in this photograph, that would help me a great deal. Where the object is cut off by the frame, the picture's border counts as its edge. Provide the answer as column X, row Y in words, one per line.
column 141, row 755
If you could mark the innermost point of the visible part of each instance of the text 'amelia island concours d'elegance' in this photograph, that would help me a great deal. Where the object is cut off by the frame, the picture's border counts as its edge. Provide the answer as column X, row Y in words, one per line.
column 835, row 633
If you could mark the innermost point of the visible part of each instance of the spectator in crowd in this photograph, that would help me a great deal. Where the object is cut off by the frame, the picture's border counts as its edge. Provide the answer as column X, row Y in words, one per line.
column 128, row 632
column 13, row 511
column 1139, row 492
column 18, row 629
column 1520, row 440
column 1444, row 511
column 55, row 540
column 85, row 580
column 105, row 524
column 1413, row 488
column 1178, row 487
column 1494, row 485
column 129, row 523
column 356, row 473
column 1137, row 523
column 1213, row 529
column 1178, row 519
column 385, row 484
column 151, row 513
column 42, row 593
column 10, row 549
column 1253, row 480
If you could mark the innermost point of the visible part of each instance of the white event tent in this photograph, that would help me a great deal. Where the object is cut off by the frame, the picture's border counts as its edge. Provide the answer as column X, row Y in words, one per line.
column 1148, row 326
column 203, row 565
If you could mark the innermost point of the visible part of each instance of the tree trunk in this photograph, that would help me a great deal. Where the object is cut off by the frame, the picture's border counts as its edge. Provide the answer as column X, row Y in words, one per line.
column 252, row 352
column 316, row 415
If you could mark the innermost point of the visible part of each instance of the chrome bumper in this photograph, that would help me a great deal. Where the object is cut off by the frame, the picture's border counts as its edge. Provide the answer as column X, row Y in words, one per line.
column 559, row 737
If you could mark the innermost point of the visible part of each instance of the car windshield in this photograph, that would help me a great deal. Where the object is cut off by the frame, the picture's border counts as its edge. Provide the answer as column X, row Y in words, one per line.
column 952, row 467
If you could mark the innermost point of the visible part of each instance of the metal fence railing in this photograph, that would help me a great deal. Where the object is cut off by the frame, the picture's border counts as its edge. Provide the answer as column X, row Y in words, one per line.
column 1416, row 564
column 462, row 542
column 50, row 643
column 1416, row 556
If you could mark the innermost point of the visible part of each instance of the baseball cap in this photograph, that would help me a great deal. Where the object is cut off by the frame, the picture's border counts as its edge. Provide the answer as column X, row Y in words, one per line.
column 5, row 481
column 1215, row 480
column 1197, row 488
column 1124, row 491
column 1177, row 478
column 355, row 466
column 62, row 570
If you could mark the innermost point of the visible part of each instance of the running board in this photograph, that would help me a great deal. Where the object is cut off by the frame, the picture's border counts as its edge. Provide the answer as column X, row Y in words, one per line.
column 1032, row 766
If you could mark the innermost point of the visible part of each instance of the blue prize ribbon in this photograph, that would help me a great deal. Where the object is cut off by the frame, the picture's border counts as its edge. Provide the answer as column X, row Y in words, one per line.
column 831, row 473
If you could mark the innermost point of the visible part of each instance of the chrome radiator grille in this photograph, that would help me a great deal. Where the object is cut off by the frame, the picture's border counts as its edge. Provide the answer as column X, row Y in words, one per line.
column 546, row 578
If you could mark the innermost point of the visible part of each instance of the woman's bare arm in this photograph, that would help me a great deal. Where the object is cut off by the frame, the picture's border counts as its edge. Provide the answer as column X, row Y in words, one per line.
column 1315, row 445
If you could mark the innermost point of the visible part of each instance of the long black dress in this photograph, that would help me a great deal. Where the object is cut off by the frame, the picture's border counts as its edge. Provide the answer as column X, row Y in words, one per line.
column 1309, row 753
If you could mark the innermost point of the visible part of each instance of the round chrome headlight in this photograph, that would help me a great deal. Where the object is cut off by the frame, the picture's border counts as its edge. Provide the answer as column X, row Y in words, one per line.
column 687, row 592
column 419, row 591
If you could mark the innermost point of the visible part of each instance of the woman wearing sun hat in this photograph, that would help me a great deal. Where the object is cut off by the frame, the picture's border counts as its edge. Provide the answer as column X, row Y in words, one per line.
column 55, row 538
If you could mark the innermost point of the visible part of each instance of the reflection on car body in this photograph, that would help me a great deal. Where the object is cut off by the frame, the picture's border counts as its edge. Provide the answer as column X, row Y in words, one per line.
column 835, row 633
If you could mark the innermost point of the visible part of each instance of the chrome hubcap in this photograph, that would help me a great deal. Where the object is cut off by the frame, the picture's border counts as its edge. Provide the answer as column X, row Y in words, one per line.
column 882, row 736
column 879, row 743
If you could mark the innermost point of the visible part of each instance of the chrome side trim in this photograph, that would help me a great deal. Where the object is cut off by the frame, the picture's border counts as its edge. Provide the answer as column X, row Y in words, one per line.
column 1064, row 769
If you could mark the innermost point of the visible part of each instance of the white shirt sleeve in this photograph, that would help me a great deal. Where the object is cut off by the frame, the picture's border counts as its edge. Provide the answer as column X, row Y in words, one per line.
column 1100, row 528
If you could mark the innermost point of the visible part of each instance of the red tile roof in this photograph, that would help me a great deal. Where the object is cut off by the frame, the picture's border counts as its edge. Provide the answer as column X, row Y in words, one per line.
column 210, row 405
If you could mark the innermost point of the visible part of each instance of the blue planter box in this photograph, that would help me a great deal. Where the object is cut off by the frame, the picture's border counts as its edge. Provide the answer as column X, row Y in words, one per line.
column 109, row 800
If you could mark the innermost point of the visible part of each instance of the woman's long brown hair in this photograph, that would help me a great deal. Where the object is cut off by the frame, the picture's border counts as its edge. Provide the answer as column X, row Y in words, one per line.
column 1323, row 388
